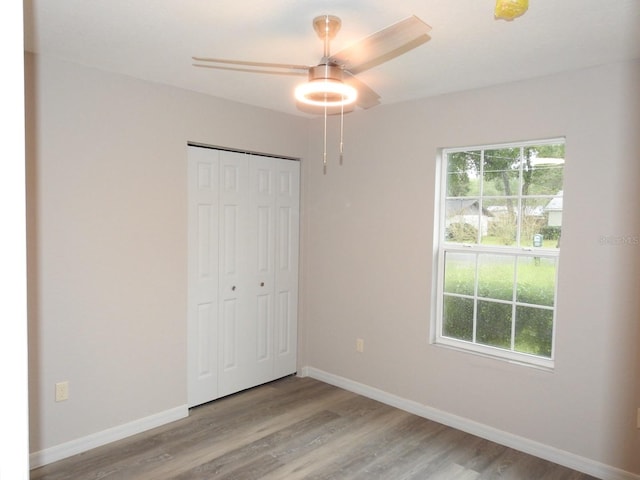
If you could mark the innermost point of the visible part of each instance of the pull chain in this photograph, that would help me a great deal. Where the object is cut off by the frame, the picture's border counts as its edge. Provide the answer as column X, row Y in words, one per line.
column 324, row 150
column 324, row 153
column 341, row 132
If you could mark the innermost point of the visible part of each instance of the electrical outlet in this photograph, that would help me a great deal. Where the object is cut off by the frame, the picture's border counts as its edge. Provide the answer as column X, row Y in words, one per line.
column 62, row 391
column 359, row 345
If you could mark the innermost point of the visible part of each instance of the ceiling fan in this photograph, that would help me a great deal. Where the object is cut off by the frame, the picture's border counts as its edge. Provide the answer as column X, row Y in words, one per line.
column 332, row 85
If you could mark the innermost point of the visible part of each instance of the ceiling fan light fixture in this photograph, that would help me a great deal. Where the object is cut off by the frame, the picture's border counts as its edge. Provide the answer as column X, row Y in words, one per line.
column 326, row 93
column 325, row 88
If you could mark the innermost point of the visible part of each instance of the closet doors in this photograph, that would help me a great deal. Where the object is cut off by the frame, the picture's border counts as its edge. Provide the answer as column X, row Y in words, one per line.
column 243, row 271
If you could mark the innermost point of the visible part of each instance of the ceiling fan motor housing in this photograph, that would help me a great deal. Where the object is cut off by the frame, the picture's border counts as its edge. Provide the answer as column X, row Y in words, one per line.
column 325, row 73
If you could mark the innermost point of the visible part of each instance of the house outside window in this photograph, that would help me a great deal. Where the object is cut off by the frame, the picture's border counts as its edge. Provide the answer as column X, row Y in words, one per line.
column 499, row 219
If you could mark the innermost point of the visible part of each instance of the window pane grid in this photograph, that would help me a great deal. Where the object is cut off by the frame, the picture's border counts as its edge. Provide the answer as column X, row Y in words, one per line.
column 499, row 248
column 506, row 302
column 471, row 228
column 473, row 302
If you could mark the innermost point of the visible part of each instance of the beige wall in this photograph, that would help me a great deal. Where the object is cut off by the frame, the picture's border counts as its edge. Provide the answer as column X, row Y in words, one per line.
column 368, row 261
column 108, row 239
column 107, row 251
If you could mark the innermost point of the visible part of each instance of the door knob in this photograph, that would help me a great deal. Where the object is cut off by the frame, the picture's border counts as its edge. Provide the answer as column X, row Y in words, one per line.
column 262, row 284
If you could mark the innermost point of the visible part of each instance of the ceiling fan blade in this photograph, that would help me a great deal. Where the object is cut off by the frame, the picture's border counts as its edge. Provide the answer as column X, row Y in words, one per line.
column 285, row 66
column 367, row 98
column 252, row 70
column 382, row 46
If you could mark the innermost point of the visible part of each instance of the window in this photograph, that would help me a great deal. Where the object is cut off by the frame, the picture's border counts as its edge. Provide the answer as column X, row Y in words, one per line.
column 500, row 223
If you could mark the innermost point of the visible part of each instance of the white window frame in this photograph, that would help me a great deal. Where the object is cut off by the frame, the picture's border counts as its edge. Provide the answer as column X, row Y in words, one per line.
column 441, row 247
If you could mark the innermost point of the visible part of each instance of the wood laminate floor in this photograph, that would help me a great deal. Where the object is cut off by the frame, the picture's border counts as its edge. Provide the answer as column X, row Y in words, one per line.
column 300, row 428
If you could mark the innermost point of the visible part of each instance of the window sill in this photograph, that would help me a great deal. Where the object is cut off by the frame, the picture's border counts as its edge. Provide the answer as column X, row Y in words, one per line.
column 522, row 360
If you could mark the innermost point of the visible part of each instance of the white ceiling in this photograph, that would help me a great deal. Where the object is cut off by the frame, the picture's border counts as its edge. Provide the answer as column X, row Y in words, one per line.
column 154, row 40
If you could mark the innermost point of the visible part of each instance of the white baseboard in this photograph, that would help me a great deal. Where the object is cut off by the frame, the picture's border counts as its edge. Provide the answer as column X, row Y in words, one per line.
column 79, row 445
column 561, row 457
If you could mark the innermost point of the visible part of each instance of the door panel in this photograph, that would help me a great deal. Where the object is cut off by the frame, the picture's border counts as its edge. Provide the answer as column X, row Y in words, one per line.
column 229, row 346
column 287, row 204
column 283, row 324
column 236, row 331
column 202, row 312
column 264, row 241
column 263, row 328
column 229, row 240
column 206, row 322
column 261, row 266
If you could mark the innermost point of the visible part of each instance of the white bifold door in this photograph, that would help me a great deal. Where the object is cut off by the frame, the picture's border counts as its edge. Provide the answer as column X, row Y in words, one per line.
column 243, row 271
